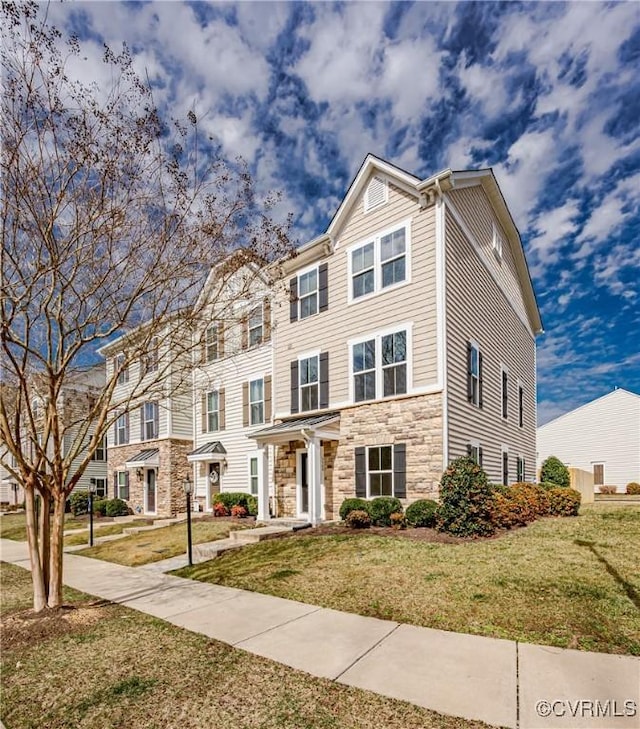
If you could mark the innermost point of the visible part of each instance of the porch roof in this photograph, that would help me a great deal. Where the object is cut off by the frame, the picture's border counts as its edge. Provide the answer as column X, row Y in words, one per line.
column 145, row 459
column 325, row 426
column 207, row 452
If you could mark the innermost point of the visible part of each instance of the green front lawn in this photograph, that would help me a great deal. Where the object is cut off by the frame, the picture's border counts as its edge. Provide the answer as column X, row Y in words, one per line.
column 14, row 526
column 158, row 544
column 569, row 582
column 103, row 665
column 102, row 529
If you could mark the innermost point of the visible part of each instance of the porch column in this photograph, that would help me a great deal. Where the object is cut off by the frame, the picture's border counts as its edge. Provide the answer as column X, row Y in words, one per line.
column 315, row 480
column 263, row 483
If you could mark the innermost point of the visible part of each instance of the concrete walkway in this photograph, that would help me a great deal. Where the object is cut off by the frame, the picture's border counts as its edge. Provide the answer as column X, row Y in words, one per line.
column 500, row 682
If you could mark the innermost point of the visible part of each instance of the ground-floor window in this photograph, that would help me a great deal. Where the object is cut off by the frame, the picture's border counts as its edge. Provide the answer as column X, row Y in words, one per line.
column 121, row 485
column 598, row 474
column 520, row 466
column 101, row 488
column 474, row 451
column 380, row 470
column 253, row 475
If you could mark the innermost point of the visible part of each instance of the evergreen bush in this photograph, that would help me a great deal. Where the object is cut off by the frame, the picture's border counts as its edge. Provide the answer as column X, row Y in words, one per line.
column 422, row 513
column 349, row 505
column 466, row 499
column 554, row 471
column 381, row 509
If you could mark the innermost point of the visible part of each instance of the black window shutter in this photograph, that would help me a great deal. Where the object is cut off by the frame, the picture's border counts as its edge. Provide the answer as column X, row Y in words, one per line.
column 115, row 485
column 400, row 471
column 480, row 380
column 294, row 386
column 323, row 287
column 126, row 486
column 156, row 421
column 469, row 450
column 469, row 378
column 480, row 457
column 293, row 299
column 324, row 379
column 361, row 473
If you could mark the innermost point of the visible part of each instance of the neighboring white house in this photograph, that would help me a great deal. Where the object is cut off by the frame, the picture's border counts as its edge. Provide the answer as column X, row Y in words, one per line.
column 602, row 437
column 10, row 490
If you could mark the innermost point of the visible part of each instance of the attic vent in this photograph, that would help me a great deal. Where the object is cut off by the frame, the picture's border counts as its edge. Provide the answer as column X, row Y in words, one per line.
column 376, row 194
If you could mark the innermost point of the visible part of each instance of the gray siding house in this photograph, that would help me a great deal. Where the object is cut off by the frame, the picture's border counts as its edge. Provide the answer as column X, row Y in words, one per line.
column 406, row 338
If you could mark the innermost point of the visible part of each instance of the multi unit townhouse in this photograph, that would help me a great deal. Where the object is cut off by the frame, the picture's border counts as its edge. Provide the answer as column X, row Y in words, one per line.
column 408, row 339
column 152, row 433
column 74, row 403
column 400, row 339
column 232, row 383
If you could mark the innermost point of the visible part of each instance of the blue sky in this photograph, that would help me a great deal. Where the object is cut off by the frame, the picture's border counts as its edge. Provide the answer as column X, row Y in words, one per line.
column 548, row 94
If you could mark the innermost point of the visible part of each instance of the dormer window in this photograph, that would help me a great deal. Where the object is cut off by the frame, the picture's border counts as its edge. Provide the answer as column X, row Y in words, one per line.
column 376, row 194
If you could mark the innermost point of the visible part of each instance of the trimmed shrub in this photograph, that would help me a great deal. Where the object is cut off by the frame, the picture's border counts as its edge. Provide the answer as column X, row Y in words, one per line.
column 564, row 502
column 239, row 512
column 504, row 513
column 633, row 488
column 100, row 507
column 554, row 470
column 466, row 499
column 349, row 505
column 381, row 509
column 117, row 507
column 358, row 519
column 233, row 498
column 608, row 490
column 534, row 496
column 219, row 509
column 422, row 513
column 398, row 520
column 252, row 505
column 79, row 503
column 547, row 485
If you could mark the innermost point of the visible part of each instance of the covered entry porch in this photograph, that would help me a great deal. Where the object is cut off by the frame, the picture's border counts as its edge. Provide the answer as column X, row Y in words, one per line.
column 209, row 462
column 302, row 446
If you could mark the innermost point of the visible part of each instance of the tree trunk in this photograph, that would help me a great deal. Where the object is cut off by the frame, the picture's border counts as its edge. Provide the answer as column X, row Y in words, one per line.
column 55, row 554
column 39, row 593
column 44, row 532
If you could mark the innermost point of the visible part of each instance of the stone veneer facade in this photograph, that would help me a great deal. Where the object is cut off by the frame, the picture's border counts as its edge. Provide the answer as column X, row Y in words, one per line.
column 415, row 421
column 172, row 471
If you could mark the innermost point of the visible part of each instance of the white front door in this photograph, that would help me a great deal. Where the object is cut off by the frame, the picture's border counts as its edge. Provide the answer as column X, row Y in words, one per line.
column 303, row 482
column 214, row 481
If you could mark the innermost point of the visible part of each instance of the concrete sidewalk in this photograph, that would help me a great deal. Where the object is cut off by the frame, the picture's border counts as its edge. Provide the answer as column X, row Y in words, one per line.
column 500, row 682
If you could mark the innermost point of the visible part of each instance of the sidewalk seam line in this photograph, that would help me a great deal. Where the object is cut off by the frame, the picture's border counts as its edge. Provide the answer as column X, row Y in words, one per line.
column 280, row 625
column 375, row 645
column 517, row 685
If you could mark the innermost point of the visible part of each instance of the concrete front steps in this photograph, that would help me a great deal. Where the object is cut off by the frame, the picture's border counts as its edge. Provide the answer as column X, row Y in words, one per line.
column 240, row 538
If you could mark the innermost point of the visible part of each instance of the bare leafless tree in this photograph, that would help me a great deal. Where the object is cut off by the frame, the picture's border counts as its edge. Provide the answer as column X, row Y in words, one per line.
column 111, row 218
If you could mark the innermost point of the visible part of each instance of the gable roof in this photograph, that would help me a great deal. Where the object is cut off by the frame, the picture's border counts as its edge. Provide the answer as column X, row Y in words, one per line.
column 617, row 393
column 436, row 185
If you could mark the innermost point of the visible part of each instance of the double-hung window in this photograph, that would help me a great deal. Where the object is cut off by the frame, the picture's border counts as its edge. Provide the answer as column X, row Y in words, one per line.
column 380, row 263
column 364, row 370
column 520, row 469
column 256, row 402
column 308, row 293
column 380, row 471
column 100, row 453
column 309, row 383
column 122, row 429
column 211, row 343
column 474, row 451
column 504, row 376
column 101, row 487
column 474, row 374
column 213, row 411
column 255, row 326
column 123, row 372
column 380, row 366
column 150, row 359
column 149, row 414
column 253, row 475
column 122, row 485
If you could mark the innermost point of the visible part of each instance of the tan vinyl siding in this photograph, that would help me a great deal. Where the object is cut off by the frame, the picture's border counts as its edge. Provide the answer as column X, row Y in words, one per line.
column 181, row 416
column 331, row 330
column 472, row 204
column 477, row 309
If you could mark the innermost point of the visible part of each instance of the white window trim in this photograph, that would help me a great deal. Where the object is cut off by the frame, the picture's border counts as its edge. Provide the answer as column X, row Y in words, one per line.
column 126, row 426
column 146, row 420
column 368, row 208
column 476, row 346
column 315, row 267
column 377, row 335
column 520, row 458
column 393, row 483
column 257, row 456
column 301, row 357
column 122, row 486
column 497, row 242
column 377, row 263
column 122, row 378
column 216, row 328
column 254, row 402
column 208, row 412
column 475, row 444
column 504, row 449
column 250, row 311
column 520, row 386
column 504, row 370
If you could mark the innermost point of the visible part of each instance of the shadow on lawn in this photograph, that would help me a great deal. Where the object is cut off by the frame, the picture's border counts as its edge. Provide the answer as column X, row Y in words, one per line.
column 631, row 591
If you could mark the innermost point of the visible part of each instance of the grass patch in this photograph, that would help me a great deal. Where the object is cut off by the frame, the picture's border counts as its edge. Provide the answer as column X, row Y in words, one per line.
column 102, row 530
column 14, row 526
column 152, row 546
column 570, row 582
column 109, row 666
